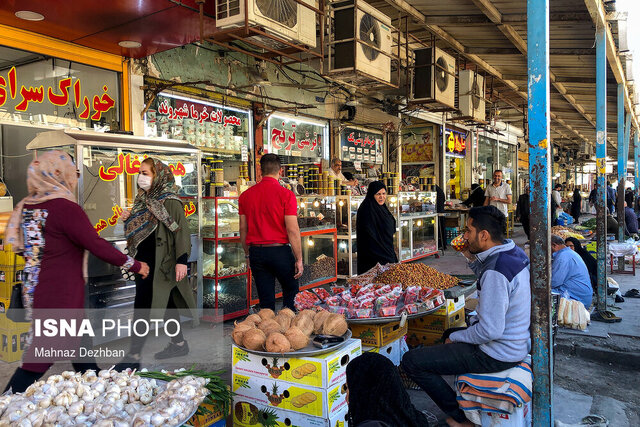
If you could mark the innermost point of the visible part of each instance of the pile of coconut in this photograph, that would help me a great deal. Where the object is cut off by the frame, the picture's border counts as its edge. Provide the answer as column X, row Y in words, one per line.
column 286, row 331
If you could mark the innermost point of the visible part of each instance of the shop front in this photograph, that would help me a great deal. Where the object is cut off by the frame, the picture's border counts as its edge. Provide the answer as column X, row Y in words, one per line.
column 455, row 164
column 48, row 84
column 419, row 154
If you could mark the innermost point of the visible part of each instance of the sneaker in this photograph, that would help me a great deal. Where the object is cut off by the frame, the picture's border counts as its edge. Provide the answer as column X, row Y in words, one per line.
column 173, row 350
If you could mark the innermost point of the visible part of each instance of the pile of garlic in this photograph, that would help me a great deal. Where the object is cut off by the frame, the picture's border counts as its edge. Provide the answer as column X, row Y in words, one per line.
column 104, row 399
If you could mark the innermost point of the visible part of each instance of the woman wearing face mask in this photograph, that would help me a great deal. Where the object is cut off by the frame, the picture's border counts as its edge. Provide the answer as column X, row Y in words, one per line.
column 52, row 232
column 375, row 227
column 157, row 233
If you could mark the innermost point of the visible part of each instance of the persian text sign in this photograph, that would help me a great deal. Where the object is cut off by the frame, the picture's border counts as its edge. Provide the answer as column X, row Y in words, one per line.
column 198, row 112
column 68, row 89
column 295, row 137
column 131, row 165
column 455, row 143
column 362, row 146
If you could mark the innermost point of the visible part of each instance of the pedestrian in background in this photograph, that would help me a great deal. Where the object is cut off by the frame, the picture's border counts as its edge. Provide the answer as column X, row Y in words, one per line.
column 498, row 194
column 523, row 210
column 576, row 205
column 52, row 232
column 270, row 235
column 158, row 233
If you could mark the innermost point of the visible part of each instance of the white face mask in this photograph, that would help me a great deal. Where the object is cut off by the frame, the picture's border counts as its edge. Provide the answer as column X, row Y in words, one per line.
column 144, row 182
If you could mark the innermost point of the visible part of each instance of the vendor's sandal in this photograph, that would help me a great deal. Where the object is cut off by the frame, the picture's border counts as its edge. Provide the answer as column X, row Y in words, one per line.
column 632, row 293
column 602, row 316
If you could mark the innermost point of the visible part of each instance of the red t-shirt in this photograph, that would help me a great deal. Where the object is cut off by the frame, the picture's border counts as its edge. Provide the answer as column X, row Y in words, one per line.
column 265, row 205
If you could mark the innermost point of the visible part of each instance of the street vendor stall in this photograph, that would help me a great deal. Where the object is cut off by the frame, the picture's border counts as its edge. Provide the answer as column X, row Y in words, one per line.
column 108, row 165
column 417, row 223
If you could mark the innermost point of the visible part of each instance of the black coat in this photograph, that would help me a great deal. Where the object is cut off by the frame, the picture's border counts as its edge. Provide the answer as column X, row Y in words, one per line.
column 476, row 198
column 375, row 228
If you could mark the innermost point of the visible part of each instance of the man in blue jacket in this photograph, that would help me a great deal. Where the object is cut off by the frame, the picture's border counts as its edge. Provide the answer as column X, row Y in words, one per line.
column 569, row 273
column 498, row 338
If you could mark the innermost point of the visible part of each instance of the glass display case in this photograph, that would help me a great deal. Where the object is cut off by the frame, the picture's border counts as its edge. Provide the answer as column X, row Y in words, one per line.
column 225, row 273
column 317, row 220
column 417, row 222
column 108, row 168
column 346, row 212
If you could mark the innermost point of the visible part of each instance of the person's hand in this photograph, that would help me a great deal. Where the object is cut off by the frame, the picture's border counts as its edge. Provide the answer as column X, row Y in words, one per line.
column 468, row 255
column 144, row 269
column 125, row 214
column 448, row 341
column 181, row 272
column 299, row 269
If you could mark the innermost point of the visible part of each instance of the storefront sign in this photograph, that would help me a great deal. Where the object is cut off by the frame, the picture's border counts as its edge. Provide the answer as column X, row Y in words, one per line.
column 198, row 112
column 58, row 96
column 360, row 145
column 189, row 209
column 292, row 137
column 456, row 143
column 417, row 145
column 131, row 166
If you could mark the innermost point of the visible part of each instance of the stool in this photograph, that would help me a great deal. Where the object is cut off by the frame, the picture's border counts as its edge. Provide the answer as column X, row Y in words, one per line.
column 623, row 271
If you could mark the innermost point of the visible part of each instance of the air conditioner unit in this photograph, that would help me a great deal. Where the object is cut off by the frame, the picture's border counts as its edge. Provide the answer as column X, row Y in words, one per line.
column 471, row 95
column 284, row 18
column 434, row 77
column 362, row 44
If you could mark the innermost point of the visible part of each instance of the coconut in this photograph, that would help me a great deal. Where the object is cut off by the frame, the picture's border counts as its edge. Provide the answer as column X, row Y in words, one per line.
column 287, row 312
column 254, row 339
column 266, row 313
column 278, row 343
column 297, row 338
column 239, row 331
column 254, row 318
column 270, row 325
column 318, row 321
column 304, row 323
column 335, row 324
column 284, row 321
column 310, row 313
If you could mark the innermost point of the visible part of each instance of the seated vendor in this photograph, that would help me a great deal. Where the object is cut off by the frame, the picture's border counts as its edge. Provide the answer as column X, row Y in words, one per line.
column 569, row 273
column 335, row 171
column 498, row 338
column 630, row 220
column 612, row 224
column 476, row 198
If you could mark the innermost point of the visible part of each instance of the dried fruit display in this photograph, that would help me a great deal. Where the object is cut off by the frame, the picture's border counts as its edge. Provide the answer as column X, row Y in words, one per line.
column 324, row 267
column 416, row 275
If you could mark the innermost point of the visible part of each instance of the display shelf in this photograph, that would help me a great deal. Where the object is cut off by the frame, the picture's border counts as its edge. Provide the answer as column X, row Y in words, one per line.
column 346, row 213
column 210, row 150
column 417, row 222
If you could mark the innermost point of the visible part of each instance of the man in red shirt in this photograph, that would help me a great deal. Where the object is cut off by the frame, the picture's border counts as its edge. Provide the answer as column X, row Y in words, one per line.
column 270, row 235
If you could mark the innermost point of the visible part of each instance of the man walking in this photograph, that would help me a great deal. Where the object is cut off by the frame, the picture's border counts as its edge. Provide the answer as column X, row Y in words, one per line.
column 498, row 193
column 270, row 235
column 498, row 338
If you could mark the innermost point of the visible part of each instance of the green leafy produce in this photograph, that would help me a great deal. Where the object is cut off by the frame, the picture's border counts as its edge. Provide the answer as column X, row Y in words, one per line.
column 590, row 224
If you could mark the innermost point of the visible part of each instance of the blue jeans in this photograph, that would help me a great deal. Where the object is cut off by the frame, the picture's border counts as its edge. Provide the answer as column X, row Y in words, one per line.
column 268, row 264
column 426, row 365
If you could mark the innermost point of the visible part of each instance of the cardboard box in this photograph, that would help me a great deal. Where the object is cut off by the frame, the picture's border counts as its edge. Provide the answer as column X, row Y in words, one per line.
column 378, row 335
column 213, row 419
column 321, row 371
column 416, row 338
column 451, row 305
column 248, row 414
column 317, row 402
column 393, row 351
column 438, row 322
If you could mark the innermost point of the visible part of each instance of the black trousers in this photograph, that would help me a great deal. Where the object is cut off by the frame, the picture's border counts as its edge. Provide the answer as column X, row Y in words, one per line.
column 269, row 263
column 426, row 365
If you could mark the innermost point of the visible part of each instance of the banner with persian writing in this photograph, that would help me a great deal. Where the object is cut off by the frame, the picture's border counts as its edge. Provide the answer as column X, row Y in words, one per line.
column 357, row 145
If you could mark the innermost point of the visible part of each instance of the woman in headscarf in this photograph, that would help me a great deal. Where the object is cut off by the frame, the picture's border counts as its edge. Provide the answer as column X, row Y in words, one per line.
column 376, row 395
column 375, row 227
column 576, row 204
column 158, row 234
column 589, row 260
column 52, row 232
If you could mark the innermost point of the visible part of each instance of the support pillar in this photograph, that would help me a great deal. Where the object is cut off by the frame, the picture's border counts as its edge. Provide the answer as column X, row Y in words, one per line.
column 540, row 186
column 601, row 164
column 622, row 166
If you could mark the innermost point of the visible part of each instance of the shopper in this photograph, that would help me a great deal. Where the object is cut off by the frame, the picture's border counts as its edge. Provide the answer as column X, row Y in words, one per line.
column 440, row 199
column 375, row 227
column 270, row 235
column 576, row 205
column 376, row 403
column 628, row 197
column 157, row 233
column 499, row 337
column 569, row 273
column 52, row 232
column 476, row 198
column 498, row 193
column 591, row 263
column 557, row 197
column 523, row 210
column 593, row 195
column 630, row 220
column 611, row 198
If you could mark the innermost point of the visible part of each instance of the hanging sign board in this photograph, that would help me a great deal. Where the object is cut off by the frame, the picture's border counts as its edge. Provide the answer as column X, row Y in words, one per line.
column 417, row 145
column 455, row 143
column 360, row 145
column 295, row 137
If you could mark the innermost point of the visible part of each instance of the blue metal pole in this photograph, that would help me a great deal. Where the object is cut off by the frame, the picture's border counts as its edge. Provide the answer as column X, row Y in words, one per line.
column 540, row 185
column 601, row 164
column 621, row 165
